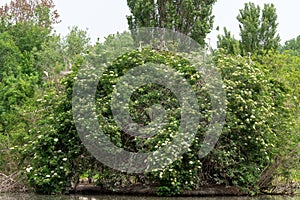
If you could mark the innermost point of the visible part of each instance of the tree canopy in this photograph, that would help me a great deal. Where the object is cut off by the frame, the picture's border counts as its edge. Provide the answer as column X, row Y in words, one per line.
column 190, row 17
column 258, row 31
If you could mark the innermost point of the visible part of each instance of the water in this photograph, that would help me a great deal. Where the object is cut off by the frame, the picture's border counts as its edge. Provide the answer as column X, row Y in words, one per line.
column 116, row 197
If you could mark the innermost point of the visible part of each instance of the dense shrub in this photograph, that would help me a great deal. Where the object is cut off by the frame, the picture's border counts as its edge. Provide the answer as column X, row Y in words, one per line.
column 257, row 125
column 284, row 68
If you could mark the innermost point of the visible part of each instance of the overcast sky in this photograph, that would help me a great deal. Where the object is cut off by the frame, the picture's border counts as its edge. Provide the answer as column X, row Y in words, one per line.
column 104, row 17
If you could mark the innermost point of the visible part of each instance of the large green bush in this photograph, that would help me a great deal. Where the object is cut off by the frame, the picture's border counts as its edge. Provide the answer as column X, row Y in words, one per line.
column 58, row 155
column 257, row 125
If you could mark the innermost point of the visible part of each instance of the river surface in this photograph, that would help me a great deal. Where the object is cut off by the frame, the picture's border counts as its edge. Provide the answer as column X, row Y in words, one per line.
column 115, row 197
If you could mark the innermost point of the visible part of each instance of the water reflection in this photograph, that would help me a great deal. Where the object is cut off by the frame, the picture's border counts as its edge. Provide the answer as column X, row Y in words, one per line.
column 115, row 197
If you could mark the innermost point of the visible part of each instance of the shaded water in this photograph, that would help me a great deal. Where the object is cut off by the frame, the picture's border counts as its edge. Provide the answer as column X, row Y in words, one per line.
column 115, row 197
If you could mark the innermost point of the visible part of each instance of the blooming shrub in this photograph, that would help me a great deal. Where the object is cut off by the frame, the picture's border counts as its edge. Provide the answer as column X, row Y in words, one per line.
column 257, row 122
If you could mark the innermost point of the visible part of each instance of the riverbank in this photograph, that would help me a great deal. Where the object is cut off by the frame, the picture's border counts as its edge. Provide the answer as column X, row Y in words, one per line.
column 125, row 197
column 140, row 189
column 210, row 190
column 10, row 184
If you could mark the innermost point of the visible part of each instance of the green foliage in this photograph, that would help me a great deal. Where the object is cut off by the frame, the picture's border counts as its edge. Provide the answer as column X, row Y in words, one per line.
column 228, row 43
column 257, row 124
column 76, row 43
column 18, row 84
column 258, row 36
column 112, row 47
column 28, row 22
column 28, row 36
column 259, row 142
column 54, row 156
column 293, row 46
column 284, row 68
column 258, row 29
column 50, row 60
column 10, row 56
column 190, row 17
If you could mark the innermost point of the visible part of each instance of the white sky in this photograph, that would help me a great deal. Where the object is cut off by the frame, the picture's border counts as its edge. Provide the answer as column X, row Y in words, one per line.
column 104, row 17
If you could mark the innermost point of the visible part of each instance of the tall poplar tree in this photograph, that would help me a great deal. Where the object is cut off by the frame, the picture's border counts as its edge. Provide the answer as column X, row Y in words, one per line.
column 258, row 28
column 190, row 17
